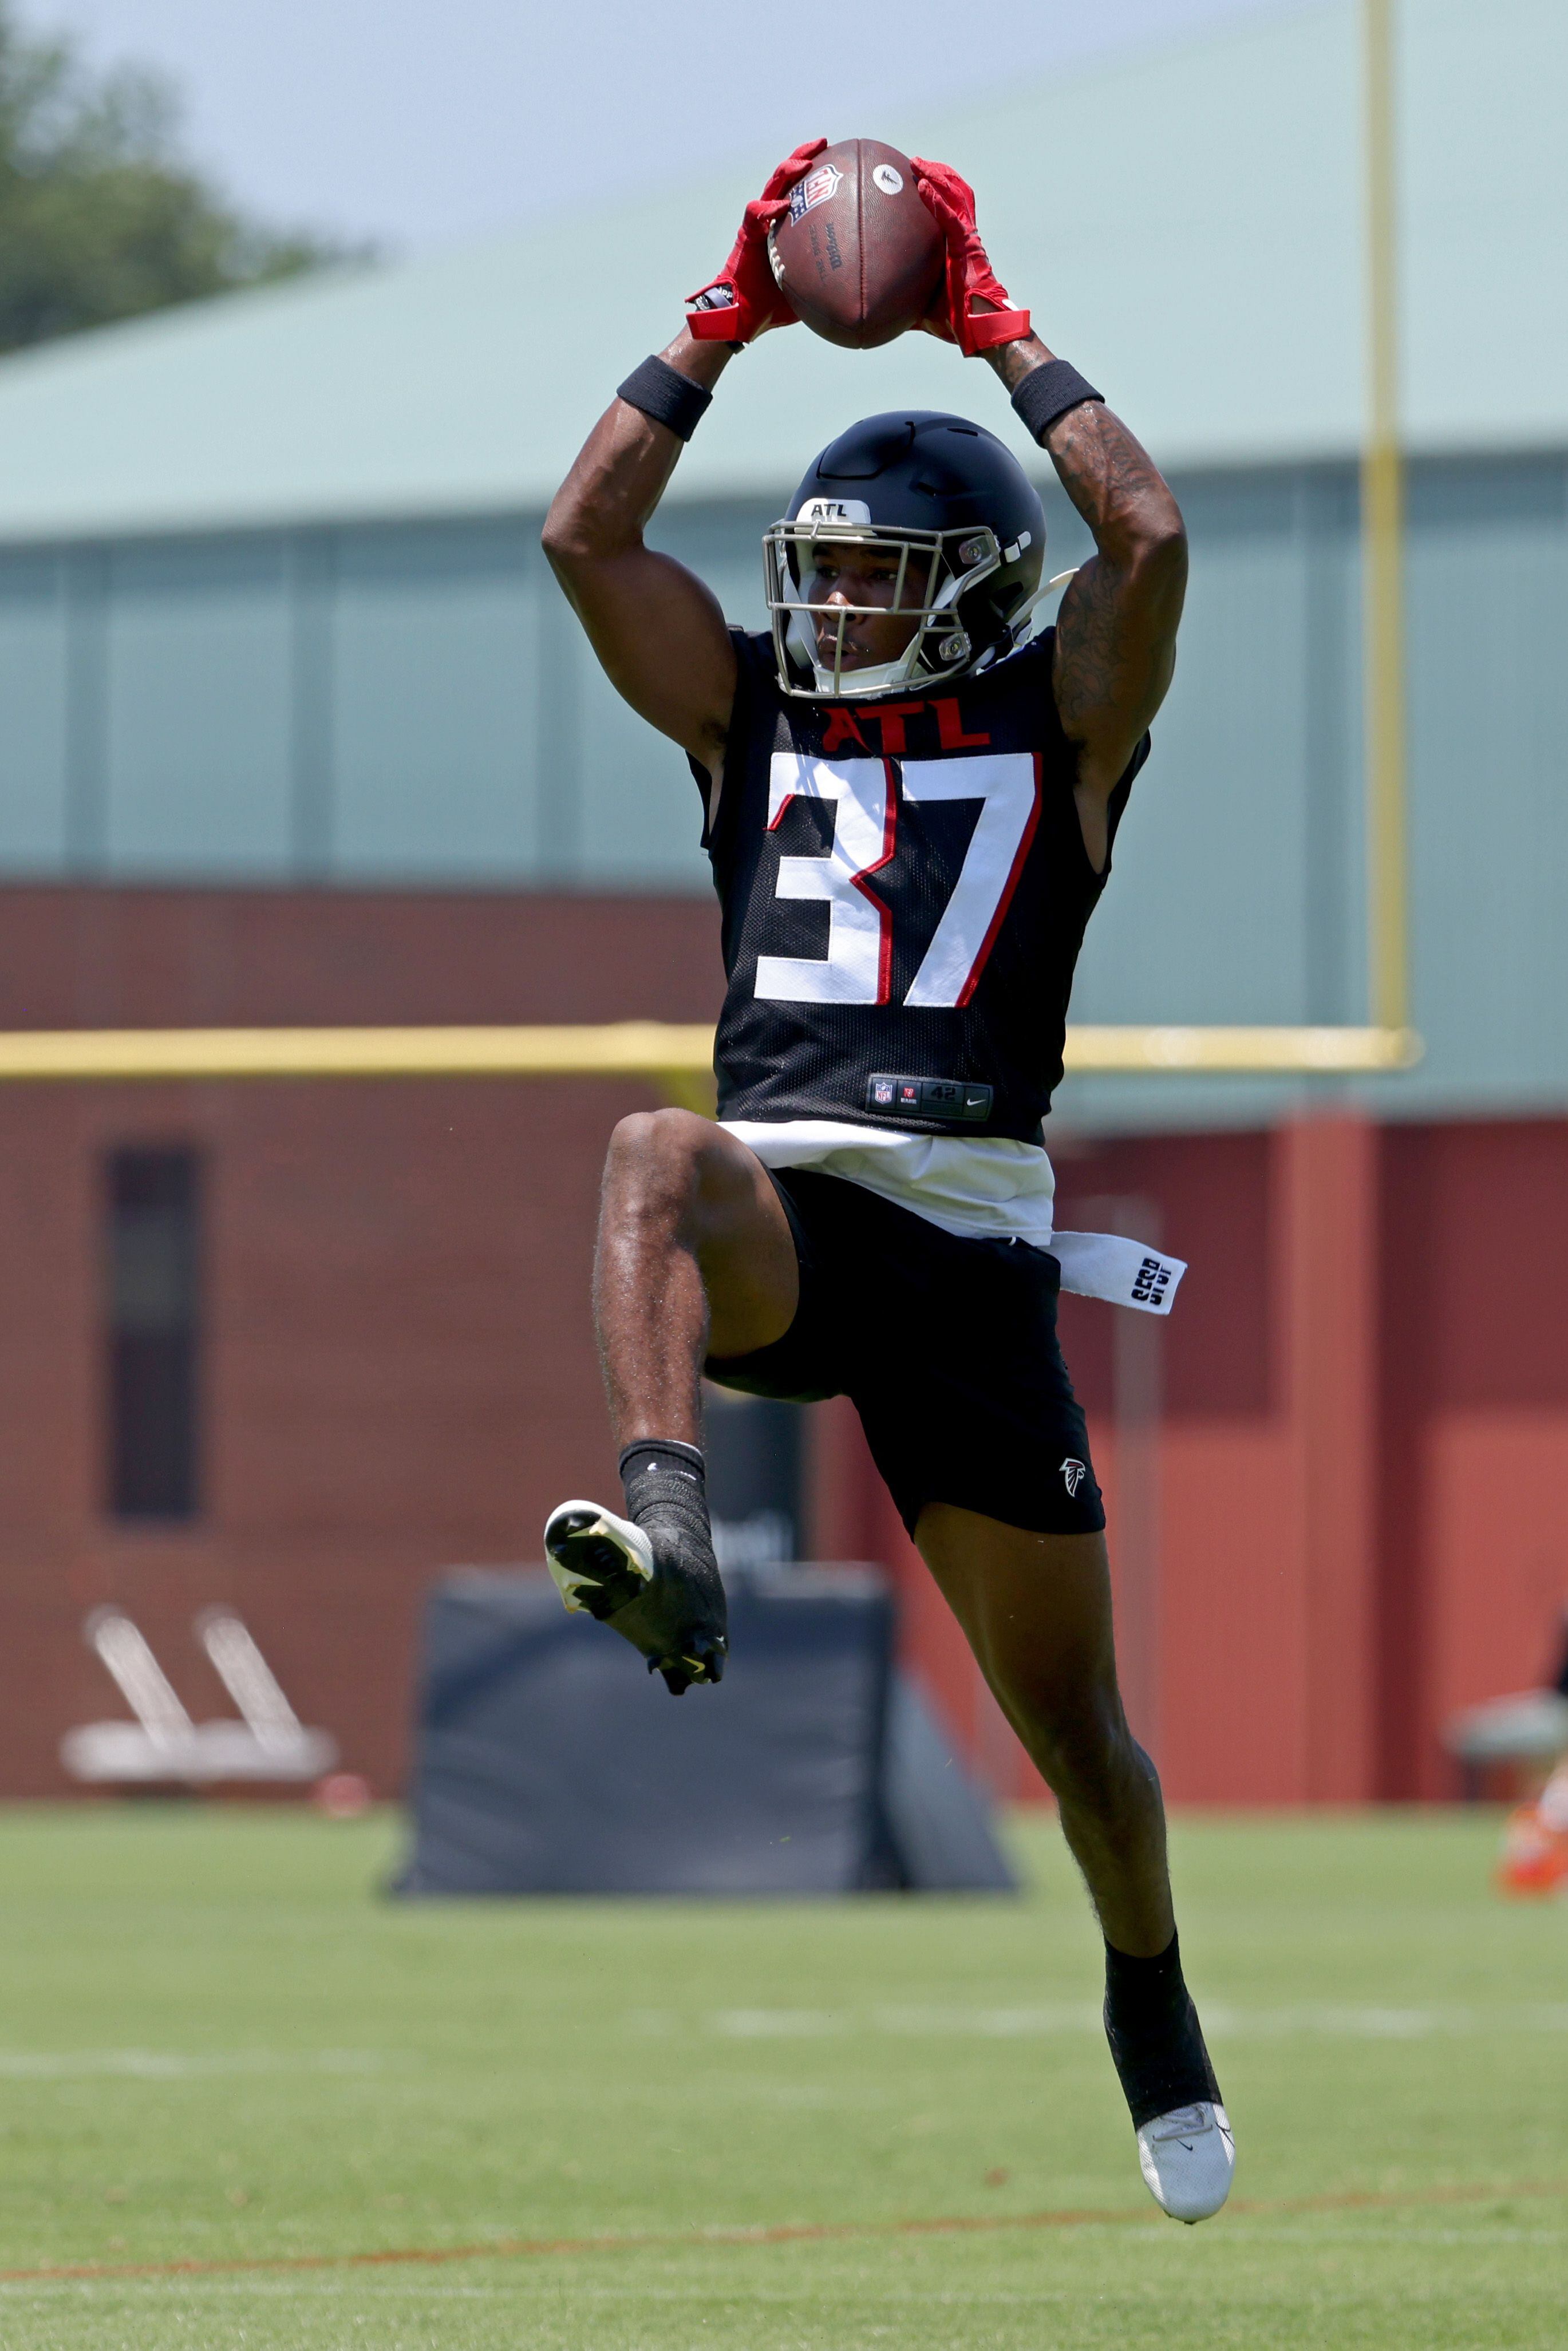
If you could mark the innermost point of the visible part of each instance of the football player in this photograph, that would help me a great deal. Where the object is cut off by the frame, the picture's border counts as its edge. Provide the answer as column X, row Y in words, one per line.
column 910, row 798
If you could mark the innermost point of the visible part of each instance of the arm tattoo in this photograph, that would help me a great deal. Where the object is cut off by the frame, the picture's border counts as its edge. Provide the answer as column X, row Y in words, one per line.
column 1115, row 634
column 1095, row 676
column 1109, row 477
column 1013, row 361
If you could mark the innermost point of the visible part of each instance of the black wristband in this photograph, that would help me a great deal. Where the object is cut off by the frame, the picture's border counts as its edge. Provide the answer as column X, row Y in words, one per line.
column 1047, row 392
column 666, row 396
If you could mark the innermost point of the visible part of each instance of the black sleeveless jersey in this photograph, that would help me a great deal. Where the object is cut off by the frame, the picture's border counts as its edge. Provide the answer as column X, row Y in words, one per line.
column 905, row 889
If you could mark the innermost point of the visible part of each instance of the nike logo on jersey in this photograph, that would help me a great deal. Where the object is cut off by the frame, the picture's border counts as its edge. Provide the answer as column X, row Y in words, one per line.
column 929, row 1097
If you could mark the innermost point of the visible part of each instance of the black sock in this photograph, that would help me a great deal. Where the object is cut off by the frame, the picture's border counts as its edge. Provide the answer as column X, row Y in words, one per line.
column 665, row 1485
column 1155, row 2040
column 1144, row 1994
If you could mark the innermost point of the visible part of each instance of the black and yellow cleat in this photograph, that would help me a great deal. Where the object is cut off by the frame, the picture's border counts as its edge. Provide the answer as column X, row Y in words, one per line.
column 599, row 1562
column 658, row 1588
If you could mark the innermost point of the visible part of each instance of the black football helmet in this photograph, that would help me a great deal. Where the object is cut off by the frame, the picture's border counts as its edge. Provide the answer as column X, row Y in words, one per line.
column 971, row 530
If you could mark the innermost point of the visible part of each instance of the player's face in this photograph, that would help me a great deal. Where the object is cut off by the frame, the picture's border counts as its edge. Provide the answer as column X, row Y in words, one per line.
column 864, row 571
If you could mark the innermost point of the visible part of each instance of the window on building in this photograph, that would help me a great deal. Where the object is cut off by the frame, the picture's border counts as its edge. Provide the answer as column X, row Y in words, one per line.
column 154, row 1332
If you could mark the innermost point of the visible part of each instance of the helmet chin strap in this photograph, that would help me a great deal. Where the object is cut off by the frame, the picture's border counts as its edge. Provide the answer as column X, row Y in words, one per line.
column 873, row 677
column 1025, row 620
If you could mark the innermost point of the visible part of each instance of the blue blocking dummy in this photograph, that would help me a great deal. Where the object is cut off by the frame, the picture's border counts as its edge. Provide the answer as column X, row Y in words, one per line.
column 549, row 1761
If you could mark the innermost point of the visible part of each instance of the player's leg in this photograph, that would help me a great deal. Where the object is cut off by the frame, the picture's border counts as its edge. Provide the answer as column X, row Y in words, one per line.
column 1036, row 1610
column 696, row 1257
column 695, row 1252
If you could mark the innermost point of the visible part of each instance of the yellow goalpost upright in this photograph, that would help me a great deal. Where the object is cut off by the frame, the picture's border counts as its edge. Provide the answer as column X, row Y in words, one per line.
column 678, row 1057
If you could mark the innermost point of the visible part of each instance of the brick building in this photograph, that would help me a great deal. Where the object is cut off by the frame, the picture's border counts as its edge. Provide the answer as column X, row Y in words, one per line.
column 293, row 729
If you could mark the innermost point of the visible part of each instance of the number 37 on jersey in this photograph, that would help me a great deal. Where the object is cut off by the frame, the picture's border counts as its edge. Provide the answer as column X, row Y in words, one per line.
column 858, row 966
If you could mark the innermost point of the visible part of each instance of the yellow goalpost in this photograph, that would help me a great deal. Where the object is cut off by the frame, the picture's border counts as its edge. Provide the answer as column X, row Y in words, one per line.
column 679, row 1057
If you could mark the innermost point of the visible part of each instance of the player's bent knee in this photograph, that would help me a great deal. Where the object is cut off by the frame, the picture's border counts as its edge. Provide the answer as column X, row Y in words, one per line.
column 654, row 1162
column 672, row 1169
column 1080, row 1741
column 658, row 1137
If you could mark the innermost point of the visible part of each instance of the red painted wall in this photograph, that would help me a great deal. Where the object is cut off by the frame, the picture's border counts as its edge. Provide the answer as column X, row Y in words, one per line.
column 1362, row 1460
column 400, row 1372
column 1360, row 1467
column 1476, row 1525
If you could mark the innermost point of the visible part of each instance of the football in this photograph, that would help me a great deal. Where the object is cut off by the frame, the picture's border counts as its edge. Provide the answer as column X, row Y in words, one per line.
column 859, row 256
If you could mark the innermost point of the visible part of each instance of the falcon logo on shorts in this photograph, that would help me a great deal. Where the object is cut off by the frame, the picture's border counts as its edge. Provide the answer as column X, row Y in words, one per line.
column 1074, row 1473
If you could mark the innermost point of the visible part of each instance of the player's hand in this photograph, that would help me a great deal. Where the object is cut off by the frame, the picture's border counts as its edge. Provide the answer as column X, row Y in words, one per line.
column 745, row 298
column 968, row 276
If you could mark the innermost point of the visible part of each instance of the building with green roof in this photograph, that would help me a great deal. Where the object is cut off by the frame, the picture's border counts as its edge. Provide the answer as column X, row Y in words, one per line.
column 296, row 727
column 272, row 608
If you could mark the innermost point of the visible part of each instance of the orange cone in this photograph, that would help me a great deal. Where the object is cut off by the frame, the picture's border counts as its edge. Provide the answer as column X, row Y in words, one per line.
column 1535, row 1843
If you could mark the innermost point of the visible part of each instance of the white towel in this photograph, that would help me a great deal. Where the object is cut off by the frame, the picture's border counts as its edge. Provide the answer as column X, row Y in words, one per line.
column 984, row 1188
column 1127, row 1273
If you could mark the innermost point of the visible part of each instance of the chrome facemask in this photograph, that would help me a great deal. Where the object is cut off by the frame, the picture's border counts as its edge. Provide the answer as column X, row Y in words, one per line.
column 946, row 565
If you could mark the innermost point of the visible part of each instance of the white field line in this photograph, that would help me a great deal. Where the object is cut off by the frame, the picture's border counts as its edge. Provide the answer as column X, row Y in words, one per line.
column 177, row 2065
column 1318, row 2020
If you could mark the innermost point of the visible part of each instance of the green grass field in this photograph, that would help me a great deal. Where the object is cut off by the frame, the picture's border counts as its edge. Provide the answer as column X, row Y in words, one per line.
column 220, row 2048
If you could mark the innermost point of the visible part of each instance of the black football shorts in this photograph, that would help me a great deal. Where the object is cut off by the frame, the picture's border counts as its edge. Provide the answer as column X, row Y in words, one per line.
column 946, row 1346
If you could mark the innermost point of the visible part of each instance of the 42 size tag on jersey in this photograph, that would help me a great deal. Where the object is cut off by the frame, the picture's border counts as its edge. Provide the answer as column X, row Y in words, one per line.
column 929, row 1098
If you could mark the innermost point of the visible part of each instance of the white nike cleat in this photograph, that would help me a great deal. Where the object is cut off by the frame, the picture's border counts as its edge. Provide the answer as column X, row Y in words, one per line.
column 1188, row 2157
column 599, row 1562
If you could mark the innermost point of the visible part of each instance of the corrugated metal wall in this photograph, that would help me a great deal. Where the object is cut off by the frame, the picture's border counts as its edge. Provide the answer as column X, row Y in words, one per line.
column 415, row 704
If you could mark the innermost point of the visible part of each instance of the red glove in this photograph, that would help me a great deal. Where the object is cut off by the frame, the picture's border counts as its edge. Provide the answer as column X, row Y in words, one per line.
column 746, row 297
column 970, row 271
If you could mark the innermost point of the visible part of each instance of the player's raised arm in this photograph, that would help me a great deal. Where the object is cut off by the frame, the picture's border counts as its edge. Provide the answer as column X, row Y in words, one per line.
column 658, row 632
column 1115, row 633
column 1117, row 630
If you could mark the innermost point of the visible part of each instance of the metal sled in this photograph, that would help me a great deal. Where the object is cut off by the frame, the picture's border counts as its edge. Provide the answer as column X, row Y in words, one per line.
column 269, row 1744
